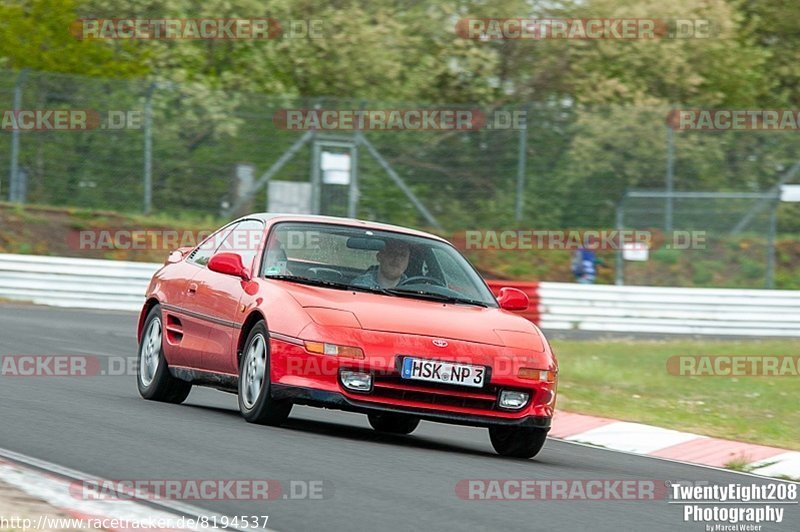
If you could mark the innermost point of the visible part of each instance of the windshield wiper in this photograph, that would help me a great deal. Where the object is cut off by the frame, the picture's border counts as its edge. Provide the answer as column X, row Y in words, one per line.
column 307, row 280
column 433, row 296
column 327, row 284
column 386, row 291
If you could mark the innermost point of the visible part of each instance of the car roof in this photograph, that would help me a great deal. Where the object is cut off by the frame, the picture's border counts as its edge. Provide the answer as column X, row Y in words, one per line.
column 271, row 217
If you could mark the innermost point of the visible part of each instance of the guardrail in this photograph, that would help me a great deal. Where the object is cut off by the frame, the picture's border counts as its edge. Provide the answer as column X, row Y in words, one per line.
column 647, row 309
column 76, row 283
column 713, row 311
column 119, row 285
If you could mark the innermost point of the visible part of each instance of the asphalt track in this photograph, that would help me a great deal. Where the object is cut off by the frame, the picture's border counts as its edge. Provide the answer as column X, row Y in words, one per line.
column 99, row 425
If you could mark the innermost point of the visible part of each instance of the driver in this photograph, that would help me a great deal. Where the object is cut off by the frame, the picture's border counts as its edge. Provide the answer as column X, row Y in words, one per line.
column 392, row 264
column 275, row 261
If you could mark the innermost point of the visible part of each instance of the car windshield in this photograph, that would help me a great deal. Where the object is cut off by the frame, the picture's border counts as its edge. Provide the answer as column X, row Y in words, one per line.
column 385, row 262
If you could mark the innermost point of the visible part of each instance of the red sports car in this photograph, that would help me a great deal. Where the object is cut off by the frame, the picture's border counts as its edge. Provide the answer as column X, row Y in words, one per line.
column 348, row 314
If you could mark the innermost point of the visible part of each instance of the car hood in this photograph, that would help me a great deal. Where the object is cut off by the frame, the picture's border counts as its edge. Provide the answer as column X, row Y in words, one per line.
column 405, row 315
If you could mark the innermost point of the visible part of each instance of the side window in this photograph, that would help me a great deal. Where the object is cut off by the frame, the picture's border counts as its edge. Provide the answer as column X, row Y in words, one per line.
column 244, row 240
column 202, row 253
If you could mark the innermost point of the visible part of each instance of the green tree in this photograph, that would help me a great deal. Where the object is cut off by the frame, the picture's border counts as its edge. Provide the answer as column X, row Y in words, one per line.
column 35, row 34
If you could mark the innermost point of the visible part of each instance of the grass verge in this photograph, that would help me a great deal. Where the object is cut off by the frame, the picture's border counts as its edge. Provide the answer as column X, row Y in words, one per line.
column 628, row 380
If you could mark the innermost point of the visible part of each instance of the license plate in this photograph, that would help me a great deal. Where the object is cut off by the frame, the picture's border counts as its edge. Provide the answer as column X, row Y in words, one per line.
column 419, row 369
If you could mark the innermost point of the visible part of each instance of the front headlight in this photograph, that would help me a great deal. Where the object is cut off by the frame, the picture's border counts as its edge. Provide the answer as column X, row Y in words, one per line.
column 340, row 351
column 541, row 375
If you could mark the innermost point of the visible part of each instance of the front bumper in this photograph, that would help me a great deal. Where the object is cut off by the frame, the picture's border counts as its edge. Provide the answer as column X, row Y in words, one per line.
column 309, row 375
column 337, row 400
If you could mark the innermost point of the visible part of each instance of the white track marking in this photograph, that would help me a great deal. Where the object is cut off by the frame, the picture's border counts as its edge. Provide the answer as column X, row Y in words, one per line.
column 52, row 485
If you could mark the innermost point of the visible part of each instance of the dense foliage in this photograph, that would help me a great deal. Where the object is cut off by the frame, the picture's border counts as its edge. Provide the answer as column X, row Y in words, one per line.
column 597, row 108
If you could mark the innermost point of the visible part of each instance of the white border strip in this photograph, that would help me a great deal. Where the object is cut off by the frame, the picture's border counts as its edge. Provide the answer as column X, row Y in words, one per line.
column 674, row 461
column 56, row 492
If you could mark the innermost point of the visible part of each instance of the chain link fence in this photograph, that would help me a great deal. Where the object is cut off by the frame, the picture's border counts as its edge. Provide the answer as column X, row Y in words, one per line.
column 701, row 238
column 171, row 149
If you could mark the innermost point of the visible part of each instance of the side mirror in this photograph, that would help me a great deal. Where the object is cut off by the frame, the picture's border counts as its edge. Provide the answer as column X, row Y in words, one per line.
column 512, row 299
column 229, row 264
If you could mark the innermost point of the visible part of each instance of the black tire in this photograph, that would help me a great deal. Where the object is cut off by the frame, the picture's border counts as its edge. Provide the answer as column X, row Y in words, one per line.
column 159, row 385
column 517, row 442
column 261, row 409
column 392, row 423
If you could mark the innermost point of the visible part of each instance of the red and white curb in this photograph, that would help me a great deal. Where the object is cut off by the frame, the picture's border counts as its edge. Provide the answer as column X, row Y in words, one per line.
column 675, row 445
column 51, row 484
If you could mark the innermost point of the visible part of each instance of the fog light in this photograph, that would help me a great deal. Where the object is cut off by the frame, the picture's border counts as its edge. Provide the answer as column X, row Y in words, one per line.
column 358, row 381
column 513, row 400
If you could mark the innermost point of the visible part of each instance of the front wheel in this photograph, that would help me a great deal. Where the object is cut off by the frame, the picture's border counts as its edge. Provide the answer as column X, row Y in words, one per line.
column 255, row 402
column 392, row 423
column 517, row 442
column 152, row 376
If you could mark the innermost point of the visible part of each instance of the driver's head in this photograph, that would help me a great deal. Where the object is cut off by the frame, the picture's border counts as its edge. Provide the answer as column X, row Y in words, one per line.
column 275, row 260
column 393, row 259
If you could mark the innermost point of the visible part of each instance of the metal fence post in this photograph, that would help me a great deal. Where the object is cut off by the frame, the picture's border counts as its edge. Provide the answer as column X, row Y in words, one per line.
column 522, row 156
column 619, row 275
column 670, row 178
column 15, row 188
column 352, row 198
column 148, row 149
column 773, row 222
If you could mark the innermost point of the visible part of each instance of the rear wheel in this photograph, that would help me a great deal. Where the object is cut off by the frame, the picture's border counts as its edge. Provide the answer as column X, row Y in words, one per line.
column 517, row 442
column 392, row 423
column 255, row 402
column 152, row 376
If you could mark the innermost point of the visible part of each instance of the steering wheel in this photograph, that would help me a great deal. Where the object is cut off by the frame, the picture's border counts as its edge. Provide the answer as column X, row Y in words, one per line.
column 328, row 274
column 422, row 279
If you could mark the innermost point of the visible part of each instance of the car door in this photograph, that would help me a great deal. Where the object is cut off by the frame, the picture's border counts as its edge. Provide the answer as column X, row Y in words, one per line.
column 185, row 333
column 216, row 299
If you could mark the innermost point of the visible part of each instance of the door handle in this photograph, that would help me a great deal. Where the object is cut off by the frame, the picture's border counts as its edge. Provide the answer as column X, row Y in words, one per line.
column 192, row 289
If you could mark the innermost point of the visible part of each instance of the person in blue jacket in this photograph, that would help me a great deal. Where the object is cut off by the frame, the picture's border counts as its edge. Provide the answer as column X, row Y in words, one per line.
column 584, row 265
